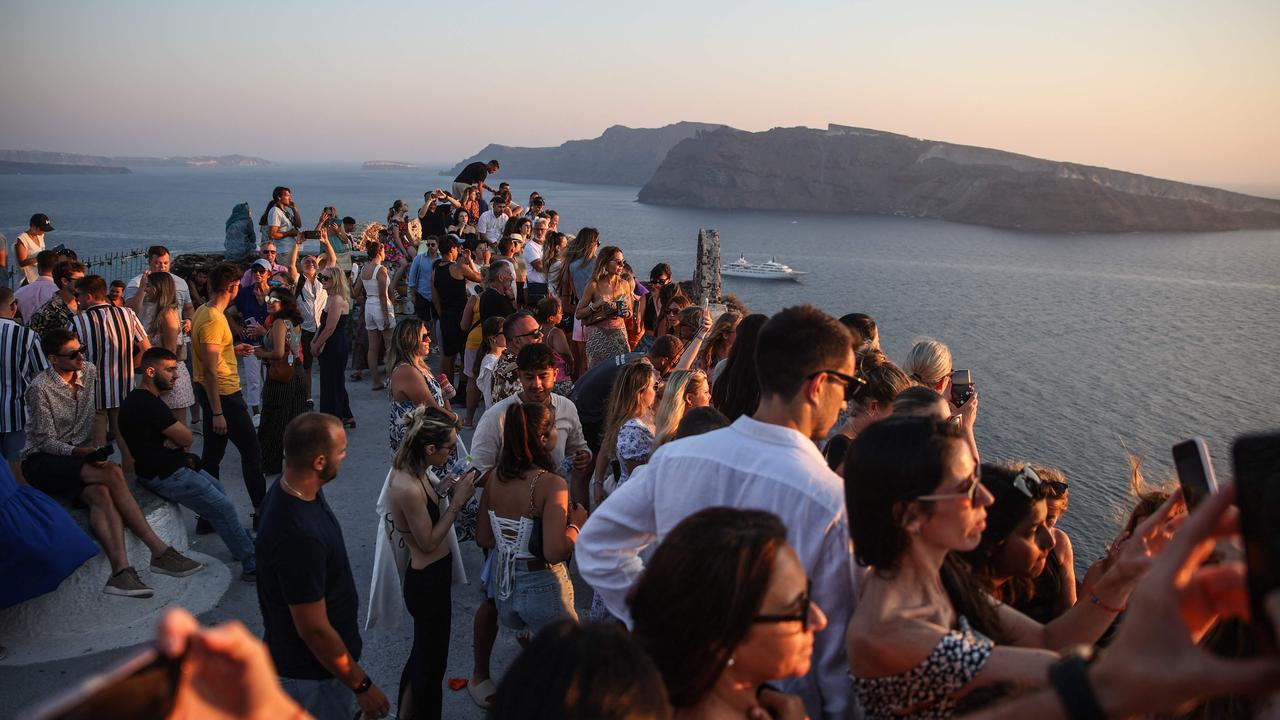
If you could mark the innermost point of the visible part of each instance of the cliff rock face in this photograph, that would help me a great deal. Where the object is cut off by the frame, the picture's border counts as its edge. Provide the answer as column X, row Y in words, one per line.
column 845, row 169
column 620, row 156
column 58, row 158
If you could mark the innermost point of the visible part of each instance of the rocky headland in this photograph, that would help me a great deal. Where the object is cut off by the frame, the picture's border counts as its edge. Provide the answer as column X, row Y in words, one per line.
column 387, row 165
column 620, row 156
column 854, row 170
column 9, row 167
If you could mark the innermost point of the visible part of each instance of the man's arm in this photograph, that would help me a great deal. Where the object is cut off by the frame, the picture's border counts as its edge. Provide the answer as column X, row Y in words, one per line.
column 835, row 591
column 487, row 440
column 608, row 549
column 312, row 623
column 178, row 433
column 24, row 258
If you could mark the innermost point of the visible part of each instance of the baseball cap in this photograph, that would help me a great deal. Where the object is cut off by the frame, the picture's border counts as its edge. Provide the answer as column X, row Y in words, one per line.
column 40, row 220
column 263, row 264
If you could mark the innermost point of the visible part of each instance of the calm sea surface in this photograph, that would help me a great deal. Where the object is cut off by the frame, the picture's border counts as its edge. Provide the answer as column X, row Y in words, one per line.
column 1081, row 346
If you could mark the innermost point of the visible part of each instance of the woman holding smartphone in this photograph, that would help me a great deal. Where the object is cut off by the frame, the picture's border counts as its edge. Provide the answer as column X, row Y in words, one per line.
column 423, row 515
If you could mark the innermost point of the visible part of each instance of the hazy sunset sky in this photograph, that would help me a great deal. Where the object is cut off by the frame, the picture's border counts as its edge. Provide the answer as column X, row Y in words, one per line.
column 1182, row 90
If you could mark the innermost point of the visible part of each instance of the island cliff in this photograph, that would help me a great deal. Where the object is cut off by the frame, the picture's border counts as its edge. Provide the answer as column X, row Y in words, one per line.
column 620, row 156
column 854, row 170
column 76, row 159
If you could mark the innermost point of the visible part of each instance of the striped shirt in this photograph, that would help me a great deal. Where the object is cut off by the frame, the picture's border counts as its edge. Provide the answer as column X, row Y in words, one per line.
column 110, row 336
column 20, row 361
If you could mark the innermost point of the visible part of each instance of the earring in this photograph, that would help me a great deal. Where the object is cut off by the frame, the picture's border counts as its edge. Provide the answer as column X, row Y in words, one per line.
column 731, row 661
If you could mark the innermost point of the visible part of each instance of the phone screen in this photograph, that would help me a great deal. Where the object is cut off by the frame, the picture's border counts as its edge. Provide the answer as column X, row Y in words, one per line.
column 141, row 688
column 961, row 387
column 1191, row 459
column 1256, row 460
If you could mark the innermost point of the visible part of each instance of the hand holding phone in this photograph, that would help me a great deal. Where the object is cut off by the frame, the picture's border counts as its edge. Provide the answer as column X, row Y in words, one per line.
column 961, row 387
column 100, row 455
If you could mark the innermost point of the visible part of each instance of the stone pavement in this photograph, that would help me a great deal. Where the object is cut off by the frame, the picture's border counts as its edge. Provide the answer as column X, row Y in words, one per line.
column 352, row 495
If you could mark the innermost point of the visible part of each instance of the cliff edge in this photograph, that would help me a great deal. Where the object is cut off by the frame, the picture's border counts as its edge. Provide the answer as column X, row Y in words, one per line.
column 620, row 156
column 855, row 170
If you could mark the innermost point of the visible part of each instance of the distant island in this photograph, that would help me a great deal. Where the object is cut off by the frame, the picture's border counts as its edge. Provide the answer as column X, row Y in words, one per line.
column 855, row 170
column 76, row 160
column 620, row 156
column 9, row 167
column 387, row 165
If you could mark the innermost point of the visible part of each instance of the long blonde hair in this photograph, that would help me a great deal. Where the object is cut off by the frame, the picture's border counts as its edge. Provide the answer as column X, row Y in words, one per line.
column 725, row 324
column 583, row 247
column 340, row 286
column 602, row 260
column 624, row 401
column 671, row 410
column 164, row 295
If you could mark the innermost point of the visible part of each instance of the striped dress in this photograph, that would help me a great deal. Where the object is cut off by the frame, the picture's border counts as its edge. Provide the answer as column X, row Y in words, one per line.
column 20, row 361
column 110, row 335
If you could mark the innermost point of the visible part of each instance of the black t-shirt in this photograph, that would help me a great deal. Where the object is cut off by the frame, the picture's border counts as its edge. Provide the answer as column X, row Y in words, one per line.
column 495, row 304
column 302, row 558
column 437, row 220
column 473, row 174
column 146, row 417
column 591, row 391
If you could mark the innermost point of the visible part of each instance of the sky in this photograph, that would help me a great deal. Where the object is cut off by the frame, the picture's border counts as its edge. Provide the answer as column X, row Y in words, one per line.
column 1182, row 90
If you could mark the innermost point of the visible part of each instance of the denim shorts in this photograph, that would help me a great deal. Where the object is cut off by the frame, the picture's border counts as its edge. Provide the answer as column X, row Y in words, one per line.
column 538, row 597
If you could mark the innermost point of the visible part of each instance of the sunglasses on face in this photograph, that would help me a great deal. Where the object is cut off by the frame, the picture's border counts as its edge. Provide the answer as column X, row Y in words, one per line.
column 801, row 616
column 853, row 384
column 972, row 489
column 326, row 278
column 425, row 338
column 71, row 354
column 536, row 333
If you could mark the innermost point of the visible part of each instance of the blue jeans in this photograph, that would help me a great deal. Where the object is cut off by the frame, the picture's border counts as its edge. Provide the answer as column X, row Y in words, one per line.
column 538, row 597
column 202, row 492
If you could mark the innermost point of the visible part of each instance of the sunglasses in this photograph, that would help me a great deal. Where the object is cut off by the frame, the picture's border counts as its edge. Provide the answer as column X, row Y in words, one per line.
column 425, row 338
column 801, row 616
column 537, row 332
column 71, row 354
column 1027, row 481
column 326, row 278
column 974, row 481
column 853, row 384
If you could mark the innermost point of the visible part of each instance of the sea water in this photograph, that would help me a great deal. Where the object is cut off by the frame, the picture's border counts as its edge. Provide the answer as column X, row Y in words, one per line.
column 1082, row 347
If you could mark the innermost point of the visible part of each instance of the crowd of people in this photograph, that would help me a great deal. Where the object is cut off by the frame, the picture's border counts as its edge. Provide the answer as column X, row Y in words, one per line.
column 774, row 518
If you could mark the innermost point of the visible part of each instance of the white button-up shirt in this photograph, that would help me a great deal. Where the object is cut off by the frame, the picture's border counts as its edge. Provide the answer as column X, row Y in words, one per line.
column 486, row 443
column 491, row 226
column 747, row 465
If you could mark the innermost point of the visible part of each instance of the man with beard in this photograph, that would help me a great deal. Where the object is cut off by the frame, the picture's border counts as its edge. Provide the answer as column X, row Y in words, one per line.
column 306, row 591
column 159, row 443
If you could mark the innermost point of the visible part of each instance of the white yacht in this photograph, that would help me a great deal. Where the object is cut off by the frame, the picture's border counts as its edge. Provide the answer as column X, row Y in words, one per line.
column 772, row 270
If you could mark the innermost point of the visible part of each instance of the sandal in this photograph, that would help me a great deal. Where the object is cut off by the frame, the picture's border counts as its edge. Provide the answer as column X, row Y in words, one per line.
column 483, row 692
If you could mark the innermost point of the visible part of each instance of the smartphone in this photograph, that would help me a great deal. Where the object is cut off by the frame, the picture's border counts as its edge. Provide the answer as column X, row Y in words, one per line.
column 1195, row 470
column 141, row 688
column 961, row 387
column 449, row 483
column 310, row 234
column 101, row 454
column 1256, row 462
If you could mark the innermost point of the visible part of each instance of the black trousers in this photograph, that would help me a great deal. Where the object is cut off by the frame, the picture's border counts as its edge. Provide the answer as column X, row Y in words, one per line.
column 240, row 432
column 428, row 596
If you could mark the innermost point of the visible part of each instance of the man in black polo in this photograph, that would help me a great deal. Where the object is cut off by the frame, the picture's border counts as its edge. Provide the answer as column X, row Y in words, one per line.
column 306, row 591
column 474, row 174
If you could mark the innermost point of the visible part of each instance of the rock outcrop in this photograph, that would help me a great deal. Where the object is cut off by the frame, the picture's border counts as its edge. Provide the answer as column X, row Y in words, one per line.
column 853, row 170
column 620, row 156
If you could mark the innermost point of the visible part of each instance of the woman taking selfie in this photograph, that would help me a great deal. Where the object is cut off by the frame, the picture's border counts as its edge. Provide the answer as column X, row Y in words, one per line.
column 526, row 516
column 925, row 634
column 722, row 608
column 423, row 515
column 605, row 302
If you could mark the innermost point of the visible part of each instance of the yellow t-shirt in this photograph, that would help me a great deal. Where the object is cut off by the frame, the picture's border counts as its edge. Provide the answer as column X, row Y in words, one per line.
column 209, row 327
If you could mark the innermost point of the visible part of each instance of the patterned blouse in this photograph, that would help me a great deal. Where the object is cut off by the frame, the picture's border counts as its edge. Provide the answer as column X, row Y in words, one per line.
column 52, row 315
column 60, row 414
column 930, row 686
column 505, row 380
column 635, row 442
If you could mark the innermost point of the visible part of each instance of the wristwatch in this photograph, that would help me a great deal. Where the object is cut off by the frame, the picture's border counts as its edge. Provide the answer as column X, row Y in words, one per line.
column 1070, row 679
column 363, row 687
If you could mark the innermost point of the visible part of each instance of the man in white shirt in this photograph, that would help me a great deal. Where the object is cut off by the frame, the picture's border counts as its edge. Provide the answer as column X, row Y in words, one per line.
column 491, row 223
column 536, row 279
column 768, row 461
column 158, row 260
column 29, row 244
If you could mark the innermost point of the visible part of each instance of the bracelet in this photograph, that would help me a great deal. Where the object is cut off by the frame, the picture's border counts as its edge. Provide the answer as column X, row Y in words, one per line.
column 363, row 687
column 575, row 527
column 1093, row 598
column 216, row 414
column 1070, row 679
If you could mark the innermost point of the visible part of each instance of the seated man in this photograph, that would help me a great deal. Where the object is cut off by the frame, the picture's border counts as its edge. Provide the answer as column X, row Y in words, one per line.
column 159, row 442
column 57, row 461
